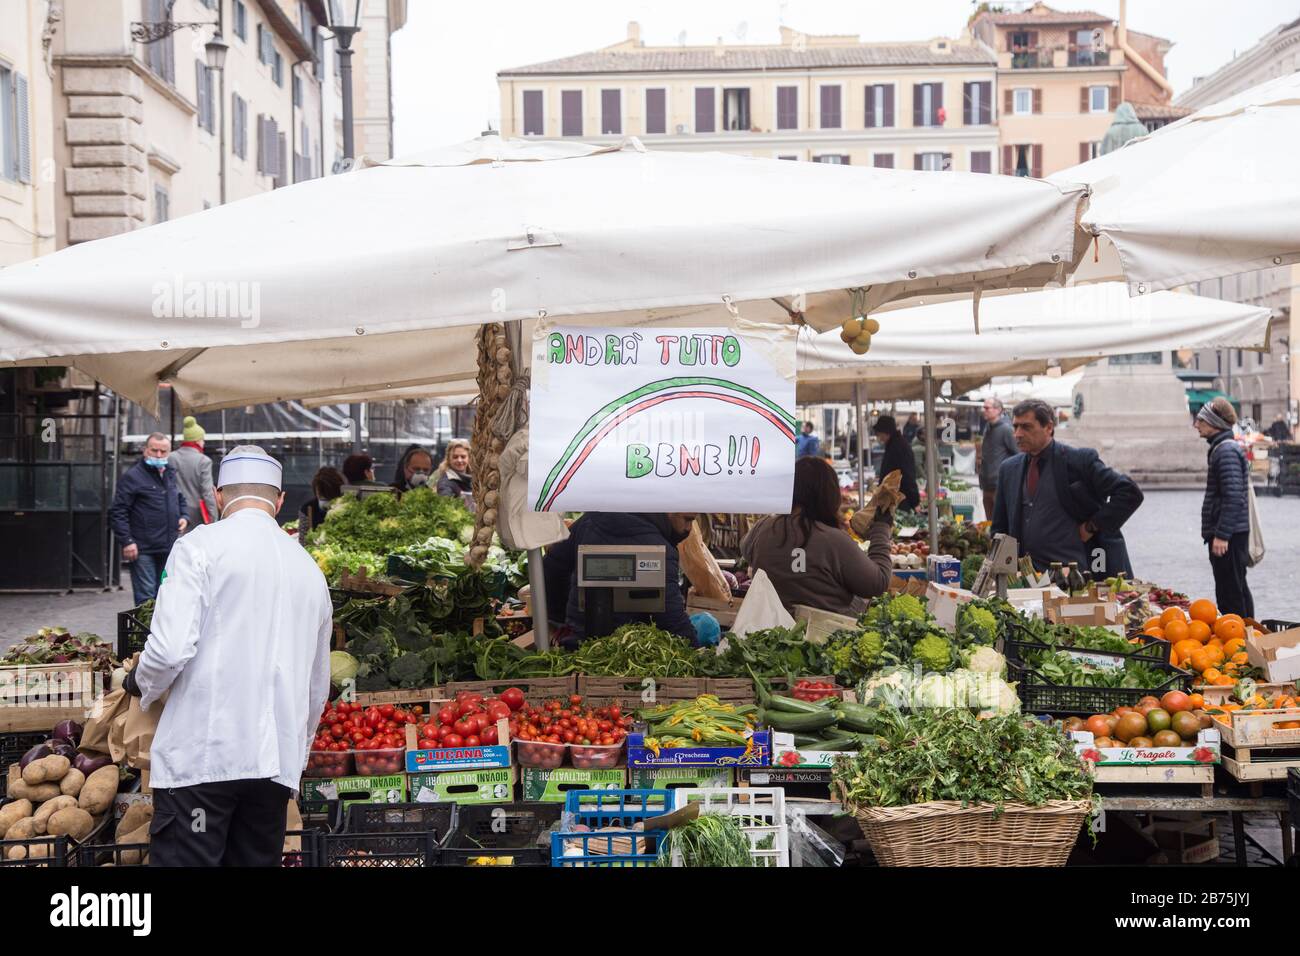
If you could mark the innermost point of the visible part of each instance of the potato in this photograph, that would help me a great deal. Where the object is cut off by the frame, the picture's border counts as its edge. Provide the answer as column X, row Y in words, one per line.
column 49, row 808
column 49, row 769
column 137, row 815
column 24, row 829
column 37, row 794
column 71, row 822
column 11, row 813
column 72, row 782
column 135, row 837
column 99, row 790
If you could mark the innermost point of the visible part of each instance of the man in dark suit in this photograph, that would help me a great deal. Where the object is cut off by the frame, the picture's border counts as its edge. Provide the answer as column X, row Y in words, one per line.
column 1061, row 503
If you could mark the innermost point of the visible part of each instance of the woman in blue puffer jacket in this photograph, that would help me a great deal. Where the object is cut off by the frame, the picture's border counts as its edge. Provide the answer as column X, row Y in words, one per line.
column 1225, row 513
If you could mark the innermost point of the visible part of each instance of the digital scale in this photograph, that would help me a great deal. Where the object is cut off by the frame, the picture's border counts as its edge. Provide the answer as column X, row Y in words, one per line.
column 1000, row 565
column 619, row 579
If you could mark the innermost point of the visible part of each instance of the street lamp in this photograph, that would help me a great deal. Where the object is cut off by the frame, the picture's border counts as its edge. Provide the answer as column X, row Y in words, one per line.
column 216, row 51
column 344, row 27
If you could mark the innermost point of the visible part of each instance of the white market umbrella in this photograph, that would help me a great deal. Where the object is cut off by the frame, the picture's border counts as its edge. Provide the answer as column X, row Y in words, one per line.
column 332, row 285
column 1214, row 194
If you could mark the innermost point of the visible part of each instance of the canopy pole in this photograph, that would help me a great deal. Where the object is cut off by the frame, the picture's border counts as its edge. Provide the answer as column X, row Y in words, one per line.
column 536, row 572
column 931, row 460
column 864, row 446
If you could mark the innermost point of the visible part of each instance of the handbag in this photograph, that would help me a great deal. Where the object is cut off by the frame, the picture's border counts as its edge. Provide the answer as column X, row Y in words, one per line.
column 1255, row 549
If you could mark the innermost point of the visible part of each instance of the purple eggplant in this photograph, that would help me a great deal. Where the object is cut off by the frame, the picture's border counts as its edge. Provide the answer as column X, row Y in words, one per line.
column 68, row 730
column 61, row 748
column 89, row 765
column 36, row 753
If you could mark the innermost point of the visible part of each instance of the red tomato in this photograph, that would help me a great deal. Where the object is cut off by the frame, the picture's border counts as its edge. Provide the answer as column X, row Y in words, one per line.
column 488, row 734
column 473, row 741
column 465, row 727
column 386, row 710
column 453, row 740
column 496, row 709
column 447, row 715
column 445, row 731
column 513, row 698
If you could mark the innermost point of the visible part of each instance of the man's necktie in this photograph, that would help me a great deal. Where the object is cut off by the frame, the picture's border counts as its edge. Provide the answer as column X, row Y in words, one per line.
column 1031, row 481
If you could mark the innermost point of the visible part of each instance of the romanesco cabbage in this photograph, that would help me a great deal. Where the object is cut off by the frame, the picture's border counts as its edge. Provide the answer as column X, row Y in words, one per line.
column 868, row 648
column 977, row 624
column 934, row 652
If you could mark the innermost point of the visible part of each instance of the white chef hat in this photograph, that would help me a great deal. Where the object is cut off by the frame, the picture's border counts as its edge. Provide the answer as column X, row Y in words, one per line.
column 249, row 465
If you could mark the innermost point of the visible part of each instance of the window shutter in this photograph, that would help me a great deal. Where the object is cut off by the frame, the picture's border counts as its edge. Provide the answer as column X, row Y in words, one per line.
column 1085, row 152
column 261, row 143
column 966, row 117
column 611, row 113
column 1036, row 161
column 1008, row 161
column 1008, row 101
column 916, row 160
column 22, row 125
column 917, row 104
column 533, row 113
column 704, row 110
column 986, row 103
column 947, row 161
column 883, row 161
column 1038, row 101
column 1011, row 42
column 889, row 113
column 869, row 119
column 1114, row 98
column 199, row 91
column 281, row 164
column 656, row 119
column 981, row 162
column 1085, row 94
column 937, row 100
column 571, row 113
column 1033, row 39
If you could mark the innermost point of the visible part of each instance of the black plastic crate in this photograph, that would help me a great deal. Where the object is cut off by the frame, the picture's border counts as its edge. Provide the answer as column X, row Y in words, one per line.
column 1040, row 696
column 436, row 818
column 60, row 852
column 1154, row 651
column 378, row 849
column 1272, row 625
column 132, row 632
column 309, row 852
column 516, row 830
column 324, row 815
column 104, row 852
column 13, row 744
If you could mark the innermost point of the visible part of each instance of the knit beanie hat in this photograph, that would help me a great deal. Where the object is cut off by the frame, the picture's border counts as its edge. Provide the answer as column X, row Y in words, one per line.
column 192, row 431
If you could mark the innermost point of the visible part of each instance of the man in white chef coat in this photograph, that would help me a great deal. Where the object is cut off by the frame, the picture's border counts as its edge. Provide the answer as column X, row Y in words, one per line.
column 240, row 643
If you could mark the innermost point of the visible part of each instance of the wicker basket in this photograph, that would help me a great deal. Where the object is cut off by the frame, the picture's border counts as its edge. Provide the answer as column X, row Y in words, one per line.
column 944, row 833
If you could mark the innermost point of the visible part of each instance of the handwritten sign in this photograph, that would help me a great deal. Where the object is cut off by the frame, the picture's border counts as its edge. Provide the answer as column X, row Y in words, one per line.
column 661, row 419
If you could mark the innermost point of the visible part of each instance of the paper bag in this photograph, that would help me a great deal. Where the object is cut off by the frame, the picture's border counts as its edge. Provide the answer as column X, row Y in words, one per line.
column 95, row 733
column 702, row 568
column 292, row 823
column 138, row 729
column 761, row 609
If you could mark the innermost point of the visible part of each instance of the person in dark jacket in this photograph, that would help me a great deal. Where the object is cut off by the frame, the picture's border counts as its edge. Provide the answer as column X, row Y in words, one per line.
column 453, row 474
column 998, row 445
column 414, row 468
column 598, row 527
column 912, row 428
column 1225, row 512
column 898, row 457
column 326, row 486
column 147, row 514
column 359, row 470
column 1061, row 503
column 1279, row 431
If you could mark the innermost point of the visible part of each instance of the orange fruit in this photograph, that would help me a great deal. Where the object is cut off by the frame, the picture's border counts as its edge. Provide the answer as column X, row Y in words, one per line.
column 1199, row 631
column 1224, row 680
column 1173, row 656
column 1200, row 661
column 1177, row 630
column 1233, row 646
column 1186, row 647
column 1229, row 627
column 1196, row 700
column 1155, row 632
column 1204, row 610
column 1172, row 614
column 1215, row 651
column 1151, row 624
column 1211, row 674
column 1239, row 658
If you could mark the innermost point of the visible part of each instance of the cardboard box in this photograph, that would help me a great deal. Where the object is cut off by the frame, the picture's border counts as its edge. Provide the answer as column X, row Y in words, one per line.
column 757, row 754
column 1206, row 752
column 481, row 757
column 787, row 756
column 943, row 569
column 550, row 786
column 943, row 601
column 350, row 790
column 1277, row 654
column 1095, row 609
column 677, row 778
column 468, row 786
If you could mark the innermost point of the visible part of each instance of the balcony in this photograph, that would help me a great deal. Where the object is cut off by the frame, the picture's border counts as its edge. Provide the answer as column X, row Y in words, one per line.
column 1059, row 57
column 1030, row 58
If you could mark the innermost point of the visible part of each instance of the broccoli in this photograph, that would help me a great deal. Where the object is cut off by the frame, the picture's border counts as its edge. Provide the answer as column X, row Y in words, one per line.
column 977, row 624
column 868, row 648
column 934, row 652
column 409, row 670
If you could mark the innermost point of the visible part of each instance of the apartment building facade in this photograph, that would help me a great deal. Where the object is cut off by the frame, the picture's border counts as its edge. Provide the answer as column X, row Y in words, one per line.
column 833, row 99
column 27, row 181
column 1061, row 75
column 1266, row 383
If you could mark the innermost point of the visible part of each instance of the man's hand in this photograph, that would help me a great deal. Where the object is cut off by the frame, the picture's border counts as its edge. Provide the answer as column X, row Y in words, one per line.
column 1084, row 532
column 1218, row 547
column 130, row 552
column 180, row 525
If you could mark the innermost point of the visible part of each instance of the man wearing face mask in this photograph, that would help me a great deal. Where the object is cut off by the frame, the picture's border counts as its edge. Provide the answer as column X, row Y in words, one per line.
column 415, row 469
column 147, row 514
column 240, row 642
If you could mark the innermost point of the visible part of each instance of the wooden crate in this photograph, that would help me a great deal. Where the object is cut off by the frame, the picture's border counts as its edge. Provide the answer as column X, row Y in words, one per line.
column 732, row 690
column 1221, row 695
column 403, row 698
column 1258, row 750
column 724, row 611
column 1185, row 841
column 38, row 696
column 1202, row 775
column 629, row 692
column 536, row 689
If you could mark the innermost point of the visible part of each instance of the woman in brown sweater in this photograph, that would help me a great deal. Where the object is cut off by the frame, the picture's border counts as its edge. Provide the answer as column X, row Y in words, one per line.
column 808, row 558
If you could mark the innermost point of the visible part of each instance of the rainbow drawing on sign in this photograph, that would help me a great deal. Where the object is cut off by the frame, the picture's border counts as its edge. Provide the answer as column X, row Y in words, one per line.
column 609, row 417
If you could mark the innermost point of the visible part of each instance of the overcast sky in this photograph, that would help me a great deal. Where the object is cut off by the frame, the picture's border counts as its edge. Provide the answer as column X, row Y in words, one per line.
column 446, row 58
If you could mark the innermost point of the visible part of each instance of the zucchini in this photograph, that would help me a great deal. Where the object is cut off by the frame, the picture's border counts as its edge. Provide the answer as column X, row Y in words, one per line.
column 847, row 721
column 787, row 721
column 837, row 743
column 857, row 710
column 793, row 705
column 806, row 740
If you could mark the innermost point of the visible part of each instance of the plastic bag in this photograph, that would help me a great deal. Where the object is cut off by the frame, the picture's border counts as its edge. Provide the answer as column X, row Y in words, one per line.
column 762, row 608
column 810, row 845
column 702, row 568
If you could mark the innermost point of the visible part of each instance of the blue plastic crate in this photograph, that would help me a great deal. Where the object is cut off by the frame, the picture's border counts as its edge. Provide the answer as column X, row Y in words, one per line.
column 606, row 808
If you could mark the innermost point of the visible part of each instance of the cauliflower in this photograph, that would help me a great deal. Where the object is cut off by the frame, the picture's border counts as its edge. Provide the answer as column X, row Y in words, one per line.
column 868, row 648
column 1006, row 701
column 986, row 660
column 977, row 623
column 888, row 688
column 934, row 652
column 936, row 690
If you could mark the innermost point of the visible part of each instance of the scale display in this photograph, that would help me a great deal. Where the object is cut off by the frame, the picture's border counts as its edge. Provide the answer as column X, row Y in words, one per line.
column 616, row 567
